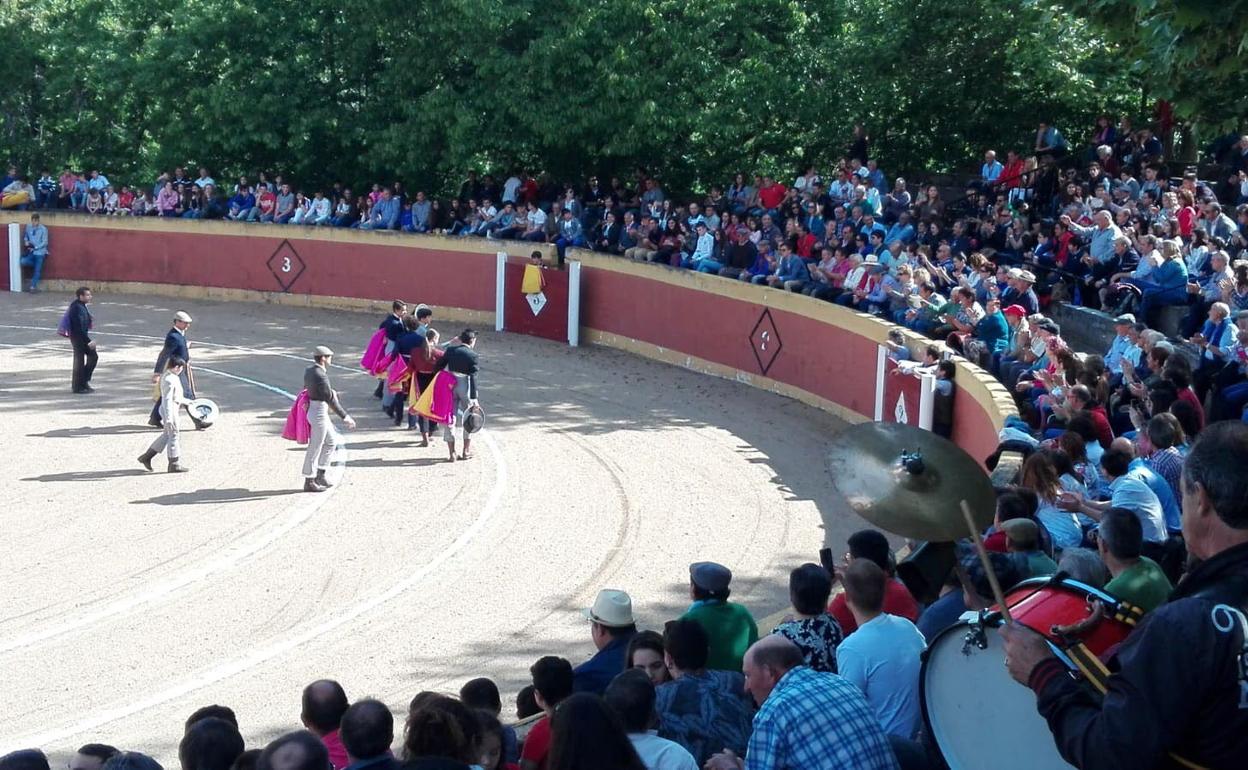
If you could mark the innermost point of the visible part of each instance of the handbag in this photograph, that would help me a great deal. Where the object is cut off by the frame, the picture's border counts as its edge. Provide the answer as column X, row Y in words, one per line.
column 62, row 328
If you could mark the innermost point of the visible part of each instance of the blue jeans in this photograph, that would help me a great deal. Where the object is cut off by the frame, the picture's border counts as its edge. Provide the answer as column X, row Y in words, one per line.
column 34, row 261
column 562, row 244
column 704, row 265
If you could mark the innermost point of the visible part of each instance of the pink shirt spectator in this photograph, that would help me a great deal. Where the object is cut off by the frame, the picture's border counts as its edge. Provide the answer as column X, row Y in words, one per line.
column 337, row 752
column 67, row 182
column 167, row 200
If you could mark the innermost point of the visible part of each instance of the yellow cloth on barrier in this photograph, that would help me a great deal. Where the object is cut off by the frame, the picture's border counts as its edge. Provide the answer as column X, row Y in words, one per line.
column 14, row 199
column 533, row 280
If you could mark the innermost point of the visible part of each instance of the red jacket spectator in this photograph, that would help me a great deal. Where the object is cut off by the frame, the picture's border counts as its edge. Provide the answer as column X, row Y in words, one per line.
column 897, row 601
column 772, row 195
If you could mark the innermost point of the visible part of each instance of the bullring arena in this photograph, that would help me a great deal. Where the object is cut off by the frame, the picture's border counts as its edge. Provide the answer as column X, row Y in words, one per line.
column 664, row 438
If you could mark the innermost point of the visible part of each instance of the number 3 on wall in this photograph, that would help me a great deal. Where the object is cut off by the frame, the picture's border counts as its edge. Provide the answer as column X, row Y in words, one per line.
column 285, row 264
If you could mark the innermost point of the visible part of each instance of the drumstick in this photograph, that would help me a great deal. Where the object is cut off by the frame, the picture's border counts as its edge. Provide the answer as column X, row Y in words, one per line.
column 983, row 559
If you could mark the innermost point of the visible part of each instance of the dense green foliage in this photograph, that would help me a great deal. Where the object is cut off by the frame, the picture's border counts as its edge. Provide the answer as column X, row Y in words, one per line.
column 1192, row 52
column 697, row 89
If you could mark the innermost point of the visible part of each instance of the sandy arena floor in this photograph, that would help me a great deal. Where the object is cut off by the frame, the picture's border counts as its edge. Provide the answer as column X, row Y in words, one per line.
column 129, row 598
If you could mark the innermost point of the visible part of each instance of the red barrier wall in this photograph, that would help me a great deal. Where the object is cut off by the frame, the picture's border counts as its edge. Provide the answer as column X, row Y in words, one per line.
column 518, row 315
column 794, row 345
column 356, row 265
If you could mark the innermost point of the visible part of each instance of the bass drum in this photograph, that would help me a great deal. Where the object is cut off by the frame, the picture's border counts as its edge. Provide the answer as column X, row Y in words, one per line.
column 975, row 712
column 979, row 717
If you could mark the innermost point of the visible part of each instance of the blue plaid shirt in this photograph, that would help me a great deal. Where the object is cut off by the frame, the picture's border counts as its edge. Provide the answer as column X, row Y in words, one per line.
column 817, row 721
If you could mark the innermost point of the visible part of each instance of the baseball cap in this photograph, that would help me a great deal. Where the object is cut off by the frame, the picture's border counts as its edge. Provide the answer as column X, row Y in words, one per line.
column 710, row 576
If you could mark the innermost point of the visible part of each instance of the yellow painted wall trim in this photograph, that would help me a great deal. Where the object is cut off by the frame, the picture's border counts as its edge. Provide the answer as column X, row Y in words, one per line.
column 291, row 232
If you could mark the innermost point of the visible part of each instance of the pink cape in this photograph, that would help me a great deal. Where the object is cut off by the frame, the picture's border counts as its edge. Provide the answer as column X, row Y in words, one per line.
column 374, row 351
column 397, row 374
column 297, row 427
column 437, row 402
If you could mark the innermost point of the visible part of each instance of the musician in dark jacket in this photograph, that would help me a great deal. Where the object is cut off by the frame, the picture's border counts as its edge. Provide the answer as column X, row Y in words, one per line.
column 175, row 346
column 324, row 439
column 1178, row 692
column 460, row 360
column 85, row 357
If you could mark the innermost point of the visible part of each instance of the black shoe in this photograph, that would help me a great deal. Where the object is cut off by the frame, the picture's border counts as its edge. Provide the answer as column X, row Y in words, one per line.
column 377, row 393
column 155, row 422
column 88, row 389
column 321, row 481
column 176, row 467
column 145, row 459
column 310, row 485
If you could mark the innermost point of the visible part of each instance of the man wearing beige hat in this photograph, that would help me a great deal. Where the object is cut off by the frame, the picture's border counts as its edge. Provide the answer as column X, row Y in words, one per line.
column 176, row 346
column 611, row 626
column 324, row 439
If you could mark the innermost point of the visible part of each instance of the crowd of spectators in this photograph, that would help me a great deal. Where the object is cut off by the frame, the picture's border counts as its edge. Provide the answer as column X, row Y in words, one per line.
column 836, row 684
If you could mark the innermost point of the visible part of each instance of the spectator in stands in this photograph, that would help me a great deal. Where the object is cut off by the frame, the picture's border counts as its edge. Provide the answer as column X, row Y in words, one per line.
column 570, row 233
column 806, row 719
column 214, row 711
column 324, row 703
column 299, row 750
column 587, row 735
column 1125, row 492
column 871, row 545
column 91, row 756
column 883, row 656
column 1010, row 569
column 703, row 710
column 631, row 696
column 611, row 627
column 1141, row 470
column 645, row 652
column 811, row 628
column 701, row 256
column 367, row 732
column 482, row 695
column 526, row 702
column 241, row 204
column 1040, row 476
column 552, row 684
column 211, row 743
column 1136, row 578
column 285, row 207
column 990, row 171
column 441, row 734
column 729, row 626
column 384, row 214
column 1022, row 536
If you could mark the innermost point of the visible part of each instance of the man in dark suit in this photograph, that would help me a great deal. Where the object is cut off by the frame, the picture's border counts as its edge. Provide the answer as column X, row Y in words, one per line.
column 393, row 324
column 85, row 356
column 176, row 346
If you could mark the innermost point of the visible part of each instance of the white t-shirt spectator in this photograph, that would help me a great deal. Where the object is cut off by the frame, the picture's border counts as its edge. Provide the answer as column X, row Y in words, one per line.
column 661, row 754
column 537, row 219
column 510, row 188
column 882, row 658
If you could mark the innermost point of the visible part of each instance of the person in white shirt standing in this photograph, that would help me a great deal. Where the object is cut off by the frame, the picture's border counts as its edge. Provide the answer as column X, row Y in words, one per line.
column 631, row 696
column 883, row 656
column 172, row 400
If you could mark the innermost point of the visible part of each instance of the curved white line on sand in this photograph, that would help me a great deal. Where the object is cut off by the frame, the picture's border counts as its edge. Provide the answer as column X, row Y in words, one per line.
column 263, row 654
column 228, row 559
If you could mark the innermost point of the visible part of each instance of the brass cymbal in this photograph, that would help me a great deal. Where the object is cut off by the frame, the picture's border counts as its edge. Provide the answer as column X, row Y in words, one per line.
column 909, row 481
